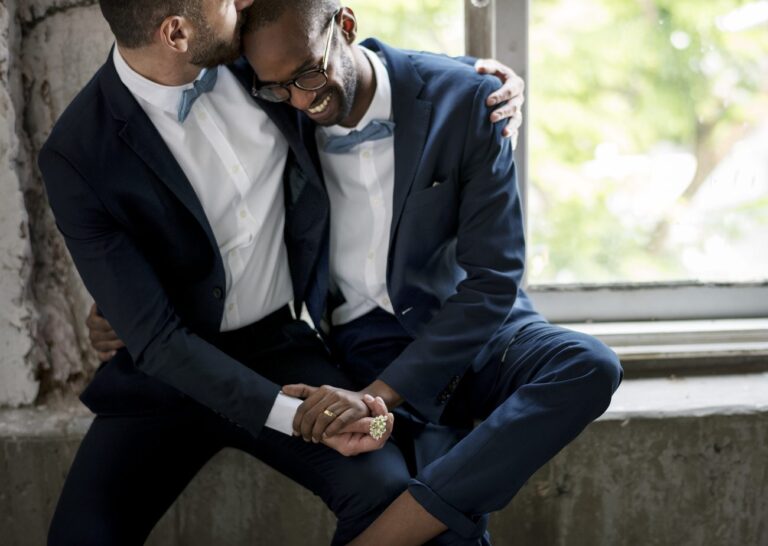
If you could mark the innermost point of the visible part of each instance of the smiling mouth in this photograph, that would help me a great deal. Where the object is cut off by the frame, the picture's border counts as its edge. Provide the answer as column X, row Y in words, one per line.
column 320, row 107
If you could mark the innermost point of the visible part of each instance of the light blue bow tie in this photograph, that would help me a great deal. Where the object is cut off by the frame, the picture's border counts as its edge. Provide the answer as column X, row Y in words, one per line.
column 375, row 130
column 189, row 96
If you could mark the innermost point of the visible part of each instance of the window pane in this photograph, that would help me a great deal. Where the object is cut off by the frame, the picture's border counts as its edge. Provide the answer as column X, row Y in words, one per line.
column 649, row 141
column 430, row 25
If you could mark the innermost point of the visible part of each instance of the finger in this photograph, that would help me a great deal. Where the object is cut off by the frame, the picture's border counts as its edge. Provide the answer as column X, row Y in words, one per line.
column 107, row 346
column 488, row 66
column 299, row 390
column 308, row 405
column 105, row 356
column 508, row 110
column 102, row 335
column 344, row 419
column 313, row 413
column 512, row 90
column 375, row 405
column 325, row 421
column 92, row 314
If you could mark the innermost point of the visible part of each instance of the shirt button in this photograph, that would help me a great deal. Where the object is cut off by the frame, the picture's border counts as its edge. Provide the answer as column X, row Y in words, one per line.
column 235, row 169
column 366, row 154
column 231, row 307
column 243, row 213
column 371, row 255
column 385, row 301
column 201, row 116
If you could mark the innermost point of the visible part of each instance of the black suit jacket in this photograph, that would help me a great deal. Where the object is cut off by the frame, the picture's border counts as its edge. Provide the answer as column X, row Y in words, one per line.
column 146, row 252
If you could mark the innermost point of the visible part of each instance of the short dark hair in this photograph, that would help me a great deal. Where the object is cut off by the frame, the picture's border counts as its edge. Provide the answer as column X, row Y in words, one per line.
column 134, row 21
column 263, row 12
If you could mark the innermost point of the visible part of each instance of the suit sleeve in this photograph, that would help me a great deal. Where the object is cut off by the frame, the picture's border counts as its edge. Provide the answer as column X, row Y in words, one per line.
column 490, row 248
column 129, row 293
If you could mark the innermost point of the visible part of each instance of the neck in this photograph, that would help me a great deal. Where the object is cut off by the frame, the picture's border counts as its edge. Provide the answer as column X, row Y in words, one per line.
column 159, row 67
column 366, row 88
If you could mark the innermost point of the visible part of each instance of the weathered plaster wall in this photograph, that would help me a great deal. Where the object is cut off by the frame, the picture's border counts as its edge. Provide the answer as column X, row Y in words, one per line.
column 48, row 51
column 17, row 372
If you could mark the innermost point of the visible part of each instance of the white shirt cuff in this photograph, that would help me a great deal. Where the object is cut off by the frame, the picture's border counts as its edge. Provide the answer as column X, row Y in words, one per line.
column 283, row 411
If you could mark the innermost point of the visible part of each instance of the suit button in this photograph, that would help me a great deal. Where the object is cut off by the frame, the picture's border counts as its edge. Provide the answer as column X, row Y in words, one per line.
column 218, row 293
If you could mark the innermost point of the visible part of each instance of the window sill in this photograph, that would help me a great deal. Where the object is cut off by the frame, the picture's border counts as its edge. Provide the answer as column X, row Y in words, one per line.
column 685, row 347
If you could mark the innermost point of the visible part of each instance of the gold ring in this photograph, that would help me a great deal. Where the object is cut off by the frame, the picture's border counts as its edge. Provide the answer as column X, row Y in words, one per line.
column 378, row 427
column 329, row 413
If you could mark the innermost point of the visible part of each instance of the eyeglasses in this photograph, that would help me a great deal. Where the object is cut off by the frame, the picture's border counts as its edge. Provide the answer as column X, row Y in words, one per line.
column 311, row 80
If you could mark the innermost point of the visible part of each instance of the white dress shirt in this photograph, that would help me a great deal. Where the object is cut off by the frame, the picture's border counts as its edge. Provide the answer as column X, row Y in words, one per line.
column 360, row 186
column 233, row 156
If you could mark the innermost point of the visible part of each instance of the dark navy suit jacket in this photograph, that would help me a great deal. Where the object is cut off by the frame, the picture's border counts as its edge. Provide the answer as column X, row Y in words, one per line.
column 143, row 246
column 457, row 246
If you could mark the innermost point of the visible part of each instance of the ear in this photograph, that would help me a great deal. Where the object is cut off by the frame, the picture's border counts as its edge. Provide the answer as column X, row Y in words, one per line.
column 348, row 24
column 175, row 32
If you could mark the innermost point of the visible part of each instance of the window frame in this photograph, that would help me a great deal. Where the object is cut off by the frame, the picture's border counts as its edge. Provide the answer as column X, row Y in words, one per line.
column 501, row 30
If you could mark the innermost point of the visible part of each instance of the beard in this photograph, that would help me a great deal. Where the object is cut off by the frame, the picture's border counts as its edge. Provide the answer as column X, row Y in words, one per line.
column 209, row 50
column 349, row 85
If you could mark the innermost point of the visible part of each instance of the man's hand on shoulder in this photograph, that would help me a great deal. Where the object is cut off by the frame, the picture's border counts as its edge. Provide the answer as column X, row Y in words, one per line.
column 510, row 96
column 355, row 438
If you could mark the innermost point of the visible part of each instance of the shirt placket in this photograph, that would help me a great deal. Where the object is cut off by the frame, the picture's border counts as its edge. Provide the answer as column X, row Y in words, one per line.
column 244, row 219
column 376, row 253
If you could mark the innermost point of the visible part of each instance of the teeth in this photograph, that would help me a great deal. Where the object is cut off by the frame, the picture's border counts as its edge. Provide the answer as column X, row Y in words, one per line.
column 322, row 106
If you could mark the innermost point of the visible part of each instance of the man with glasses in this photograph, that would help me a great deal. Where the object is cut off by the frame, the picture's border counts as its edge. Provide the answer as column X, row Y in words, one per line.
column 167, row 182
column 426, row 258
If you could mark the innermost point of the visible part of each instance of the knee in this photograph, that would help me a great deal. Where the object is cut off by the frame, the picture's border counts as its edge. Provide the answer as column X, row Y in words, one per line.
column 372, row 487
column 368, row 487
column 604, row 371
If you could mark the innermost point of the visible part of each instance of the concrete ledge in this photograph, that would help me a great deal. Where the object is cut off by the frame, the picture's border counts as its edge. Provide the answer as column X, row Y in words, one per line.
column 673, row 462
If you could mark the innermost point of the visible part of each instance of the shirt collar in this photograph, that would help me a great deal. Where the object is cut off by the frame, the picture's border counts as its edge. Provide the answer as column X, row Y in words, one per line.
column 381, row 105
column 165, row 97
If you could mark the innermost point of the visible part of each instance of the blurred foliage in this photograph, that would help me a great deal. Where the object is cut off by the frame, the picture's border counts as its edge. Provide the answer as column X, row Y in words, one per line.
column 630, row 83
column 642, row 75
column 427, row 25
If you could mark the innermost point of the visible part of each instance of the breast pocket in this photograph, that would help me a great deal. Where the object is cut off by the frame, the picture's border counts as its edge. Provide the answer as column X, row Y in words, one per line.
column 440, row 193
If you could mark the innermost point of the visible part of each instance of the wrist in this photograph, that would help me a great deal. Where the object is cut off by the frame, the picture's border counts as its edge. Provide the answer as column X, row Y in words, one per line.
column 378, row 388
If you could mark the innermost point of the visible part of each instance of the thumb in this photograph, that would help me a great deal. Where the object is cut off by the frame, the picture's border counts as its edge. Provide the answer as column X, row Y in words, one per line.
column 486, row 66
column 299, row 390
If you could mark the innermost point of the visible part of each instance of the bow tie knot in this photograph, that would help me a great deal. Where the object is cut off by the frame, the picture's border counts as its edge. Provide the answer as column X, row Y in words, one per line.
column 201, row 85
column 375, row 130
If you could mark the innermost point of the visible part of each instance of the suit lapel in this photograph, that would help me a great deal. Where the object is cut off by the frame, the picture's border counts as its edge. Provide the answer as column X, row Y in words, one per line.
column 411, row 116
column 143, row 138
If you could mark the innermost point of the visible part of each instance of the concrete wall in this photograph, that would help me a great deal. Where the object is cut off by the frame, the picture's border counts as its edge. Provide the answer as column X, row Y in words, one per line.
column 668, row 480
column 48, row 50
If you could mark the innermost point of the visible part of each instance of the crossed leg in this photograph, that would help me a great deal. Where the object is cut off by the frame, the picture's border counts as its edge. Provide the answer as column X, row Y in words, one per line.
column 534, row 398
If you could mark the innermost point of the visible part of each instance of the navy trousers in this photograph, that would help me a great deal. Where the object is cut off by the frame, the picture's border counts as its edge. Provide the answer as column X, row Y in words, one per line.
column 140, row 453
column 531, row 399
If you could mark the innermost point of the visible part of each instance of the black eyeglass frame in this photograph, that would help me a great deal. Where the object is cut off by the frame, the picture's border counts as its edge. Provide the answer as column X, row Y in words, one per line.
column 322, row 70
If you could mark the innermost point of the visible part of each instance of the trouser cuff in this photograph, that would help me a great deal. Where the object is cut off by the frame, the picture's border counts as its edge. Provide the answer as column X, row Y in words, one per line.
column 452, row 518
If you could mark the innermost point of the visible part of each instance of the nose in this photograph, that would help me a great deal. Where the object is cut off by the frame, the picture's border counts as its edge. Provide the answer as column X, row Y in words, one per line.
column 302, row 100
column 240, row 5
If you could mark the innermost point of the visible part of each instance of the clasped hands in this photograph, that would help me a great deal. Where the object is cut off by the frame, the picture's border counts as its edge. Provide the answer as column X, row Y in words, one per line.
column 339, row 418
